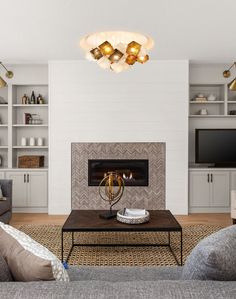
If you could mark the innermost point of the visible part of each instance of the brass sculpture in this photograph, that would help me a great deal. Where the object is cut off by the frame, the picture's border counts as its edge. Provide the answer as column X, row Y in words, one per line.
column 111, row 189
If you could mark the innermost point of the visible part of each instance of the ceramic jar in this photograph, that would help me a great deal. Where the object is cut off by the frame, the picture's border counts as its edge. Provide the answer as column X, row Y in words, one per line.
column 32, row 141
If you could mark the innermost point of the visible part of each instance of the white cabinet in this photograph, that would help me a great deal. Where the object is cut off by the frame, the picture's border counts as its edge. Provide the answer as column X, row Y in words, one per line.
column 37, row 189
column 29, row 189
column 199, row 189
column 209, row 191
column 220, row 188
column 233, row 180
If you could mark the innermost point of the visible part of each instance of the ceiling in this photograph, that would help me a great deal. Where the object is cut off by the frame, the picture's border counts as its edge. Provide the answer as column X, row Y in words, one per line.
column 42, row 30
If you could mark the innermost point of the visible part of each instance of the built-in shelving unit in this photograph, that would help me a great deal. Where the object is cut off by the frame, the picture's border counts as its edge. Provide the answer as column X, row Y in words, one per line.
column 221, row 107
column 13, row 128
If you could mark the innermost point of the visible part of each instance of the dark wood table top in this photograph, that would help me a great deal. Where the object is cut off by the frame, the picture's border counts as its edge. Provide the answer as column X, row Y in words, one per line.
column 89, row 220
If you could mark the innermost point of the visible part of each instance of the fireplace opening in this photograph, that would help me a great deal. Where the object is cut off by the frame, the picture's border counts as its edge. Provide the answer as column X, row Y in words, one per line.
column 133, row 171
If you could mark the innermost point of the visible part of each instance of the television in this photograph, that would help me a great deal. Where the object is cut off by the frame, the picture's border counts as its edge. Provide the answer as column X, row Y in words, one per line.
column 216, row 146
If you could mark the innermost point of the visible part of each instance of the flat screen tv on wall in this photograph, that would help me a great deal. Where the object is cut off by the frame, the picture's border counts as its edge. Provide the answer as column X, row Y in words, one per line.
column 216, row 146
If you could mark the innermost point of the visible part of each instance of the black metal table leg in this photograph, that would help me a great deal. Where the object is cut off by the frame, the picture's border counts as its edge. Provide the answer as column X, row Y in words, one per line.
column 62, row 247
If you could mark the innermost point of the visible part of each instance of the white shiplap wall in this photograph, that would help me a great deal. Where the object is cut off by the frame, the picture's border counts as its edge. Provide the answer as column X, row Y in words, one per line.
column 146, row 104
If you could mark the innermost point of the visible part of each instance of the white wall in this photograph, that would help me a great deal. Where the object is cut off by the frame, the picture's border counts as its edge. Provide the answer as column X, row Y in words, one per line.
column 148, row 103
column 27, row 74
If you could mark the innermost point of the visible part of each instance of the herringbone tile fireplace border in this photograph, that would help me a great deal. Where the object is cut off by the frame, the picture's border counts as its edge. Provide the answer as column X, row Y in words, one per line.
column 150, row 197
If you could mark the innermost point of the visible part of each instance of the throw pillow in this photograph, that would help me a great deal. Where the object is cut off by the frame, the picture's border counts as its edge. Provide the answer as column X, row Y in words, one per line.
column 5, row 274
column 1, row 195
column 213, row 258
column 27, row 259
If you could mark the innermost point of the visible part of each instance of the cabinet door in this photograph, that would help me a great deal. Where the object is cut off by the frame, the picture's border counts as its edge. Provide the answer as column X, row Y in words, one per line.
column 37, row 189
column 2, row 175
column 199, row 189
column 220, row 188
column 233, row 180
column 19, row 189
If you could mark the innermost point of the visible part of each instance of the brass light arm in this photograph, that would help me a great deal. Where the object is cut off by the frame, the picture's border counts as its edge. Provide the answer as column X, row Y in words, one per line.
column 9, row 74
column 227, row 74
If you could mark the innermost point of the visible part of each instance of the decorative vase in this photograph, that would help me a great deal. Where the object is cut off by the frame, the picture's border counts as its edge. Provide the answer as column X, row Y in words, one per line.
column 23, row 141
column 211, row 97
column 32, row 141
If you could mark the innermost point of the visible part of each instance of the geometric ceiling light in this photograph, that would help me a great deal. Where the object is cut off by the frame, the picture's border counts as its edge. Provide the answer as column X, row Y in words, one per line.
column 227, row 74
column 9, row 75
column 117, row 50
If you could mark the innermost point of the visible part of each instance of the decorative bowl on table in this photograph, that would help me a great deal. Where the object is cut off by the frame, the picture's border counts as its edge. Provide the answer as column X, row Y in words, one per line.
column 131, row 218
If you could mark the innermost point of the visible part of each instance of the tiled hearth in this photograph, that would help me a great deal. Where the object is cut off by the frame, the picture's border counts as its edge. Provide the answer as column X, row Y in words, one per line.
column 149, row 197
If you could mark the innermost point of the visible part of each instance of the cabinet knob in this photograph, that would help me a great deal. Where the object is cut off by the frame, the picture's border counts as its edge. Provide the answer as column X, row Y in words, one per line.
column 208, row 178
column 24, row 178
column 211, row 178
column 27, row 178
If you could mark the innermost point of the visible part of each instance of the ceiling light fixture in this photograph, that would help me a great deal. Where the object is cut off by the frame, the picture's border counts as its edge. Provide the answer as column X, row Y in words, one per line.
column 227, row 74
column 117, row 50
column 9, row 75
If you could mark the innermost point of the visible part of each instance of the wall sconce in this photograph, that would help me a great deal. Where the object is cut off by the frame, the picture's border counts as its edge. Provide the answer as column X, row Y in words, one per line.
column 9, row 75
column 227, row 74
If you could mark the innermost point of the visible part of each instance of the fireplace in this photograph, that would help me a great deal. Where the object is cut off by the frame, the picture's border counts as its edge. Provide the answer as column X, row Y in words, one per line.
column 149, row 189
column 133, row 171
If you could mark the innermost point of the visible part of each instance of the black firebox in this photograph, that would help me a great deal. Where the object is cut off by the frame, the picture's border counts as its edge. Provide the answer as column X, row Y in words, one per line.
column 133, row 171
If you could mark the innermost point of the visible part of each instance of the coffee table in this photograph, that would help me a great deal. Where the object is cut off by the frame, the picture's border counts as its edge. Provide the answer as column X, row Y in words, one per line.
column 89, row 221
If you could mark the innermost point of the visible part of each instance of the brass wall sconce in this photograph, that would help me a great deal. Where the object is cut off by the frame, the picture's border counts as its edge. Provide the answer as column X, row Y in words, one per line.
column 227, row 74
column 9, row 75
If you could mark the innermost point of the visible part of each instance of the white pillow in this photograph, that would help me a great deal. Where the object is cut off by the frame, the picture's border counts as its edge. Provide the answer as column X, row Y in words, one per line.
column 1, row 195
column 27, row 259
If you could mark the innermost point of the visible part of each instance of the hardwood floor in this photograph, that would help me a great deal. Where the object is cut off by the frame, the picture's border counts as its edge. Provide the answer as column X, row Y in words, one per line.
column 40, row 219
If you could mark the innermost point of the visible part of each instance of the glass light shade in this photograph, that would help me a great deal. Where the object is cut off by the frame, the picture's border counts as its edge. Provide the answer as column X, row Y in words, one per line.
column 126, row 46
column 106, row 48
column 116, row 56
column 89, row 56
column 3, row 83
column 104, row 63
column 133, row 48
column 119, row 66
column 121, row 47
column 232, row 85
column 226, row 74
column 143, row 59
column 96, row 53
column 131, row 59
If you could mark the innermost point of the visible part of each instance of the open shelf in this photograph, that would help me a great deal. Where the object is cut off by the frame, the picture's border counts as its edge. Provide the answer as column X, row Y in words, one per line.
column 30, row 147
column 30, row 105
column 13, row 127
column 24, row 125
column 211, row 116
column 206, row 102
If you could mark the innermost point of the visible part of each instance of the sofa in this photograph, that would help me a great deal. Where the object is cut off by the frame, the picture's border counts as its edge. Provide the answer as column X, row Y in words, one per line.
column 209, row 272
column 120, row 282
column 6, row 205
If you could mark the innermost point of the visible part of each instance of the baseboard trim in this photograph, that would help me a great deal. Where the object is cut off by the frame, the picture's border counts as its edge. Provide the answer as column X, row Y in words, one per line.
column 30, row 210
column 209, row 210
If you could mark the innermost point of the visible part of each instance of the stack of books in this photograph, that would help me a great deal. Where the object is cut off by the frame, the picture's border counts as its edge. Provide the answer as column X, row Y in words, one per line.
column 200, row 99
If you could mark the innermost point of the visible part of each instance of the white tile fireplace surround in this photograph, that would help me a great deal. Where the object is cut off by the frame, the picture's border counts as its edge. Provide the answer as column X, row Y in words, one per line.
column 149, row 197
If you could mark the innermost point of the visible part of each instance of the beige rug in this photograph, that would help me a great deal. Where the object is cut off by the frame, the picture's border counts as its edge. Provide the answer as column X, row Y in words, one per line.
column 50, row 236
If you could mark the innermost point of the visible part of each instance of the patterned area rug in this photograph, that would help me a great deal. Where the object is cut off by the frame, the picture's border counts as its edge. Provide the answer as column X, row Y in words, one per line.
column 50, row 237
